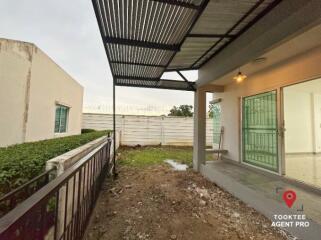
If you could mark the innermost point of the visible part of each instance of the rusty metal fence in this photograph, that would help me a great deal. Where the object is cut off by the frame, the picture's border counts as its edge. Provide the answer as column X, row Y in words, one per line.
column 62, row 208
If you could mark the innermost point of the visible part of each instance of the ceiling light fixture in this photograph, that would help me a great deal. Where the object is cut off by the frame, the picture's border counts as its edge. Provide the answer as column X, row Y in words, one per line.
column 239, row 77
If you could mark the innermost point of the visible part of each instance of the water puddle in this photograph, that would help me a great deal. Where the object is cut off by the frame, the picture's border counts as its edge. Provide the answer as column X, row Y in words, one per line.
column 176, row 166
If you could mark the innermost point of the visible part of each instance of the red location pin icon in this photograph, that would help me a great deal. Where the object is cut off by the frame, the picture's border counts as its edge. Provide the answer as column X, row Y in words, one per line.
column 289, row 197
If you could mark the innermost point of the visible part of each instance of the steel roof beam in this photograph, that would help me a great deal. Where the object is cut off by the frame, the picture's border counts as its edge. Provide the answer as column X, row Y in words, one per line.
column 252, row 9
column 158, row 87
column 152, row 79
column 138, row 64
column 136, row 78
column 143, row 44
column 158, row 81
column 179, row 3
column 185, row 79
column 163, row 84
column 248, row 25
column 174, row 69
column 196, row 17
column 198, row 35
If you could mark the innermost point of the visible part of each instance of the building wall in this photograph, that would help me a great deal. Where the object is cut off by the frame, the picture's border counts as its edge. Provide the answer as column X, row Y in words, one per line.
column 149, row 130
column 50, row 85
column 31, row 83
column 297, row 69
column 15, row 68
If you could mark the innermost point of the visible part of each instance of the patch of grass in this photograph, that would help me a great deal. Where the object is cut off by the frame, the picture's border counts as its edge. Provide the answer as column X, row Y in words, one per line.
column 151, row 155
column 147, row 156
column 22, row 162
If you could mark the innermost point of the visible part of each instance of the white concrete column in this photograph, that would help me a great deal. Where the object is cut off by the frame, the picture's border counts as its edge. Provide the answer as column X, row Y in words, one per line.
column 199, row 129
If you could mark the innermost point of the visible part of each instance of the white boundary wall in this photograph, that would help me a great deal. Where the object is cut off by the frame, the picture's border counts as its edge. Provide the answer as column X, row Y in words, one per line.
column 148, row 130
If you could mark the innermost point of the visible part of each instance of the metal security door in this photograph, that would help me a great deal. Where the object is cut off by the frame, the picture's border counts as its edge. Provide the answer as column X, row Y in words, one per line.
column 259, row 131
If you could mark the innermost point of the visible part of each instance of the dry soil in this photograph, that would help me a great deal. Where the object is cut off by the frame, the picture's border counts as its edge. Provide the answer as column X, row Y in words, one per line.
column 159, row 203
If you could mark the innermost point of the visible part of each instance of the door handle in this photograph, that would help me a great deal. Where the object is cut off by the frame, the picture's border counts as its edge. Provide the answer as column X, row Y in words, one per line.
column 281, row 131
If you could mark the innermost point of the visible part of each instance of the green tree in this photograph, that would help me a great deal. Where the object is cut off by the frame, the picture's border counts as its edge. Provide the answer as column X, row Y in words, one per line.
column 214, row 109
column 211, row 110
column 182, row 111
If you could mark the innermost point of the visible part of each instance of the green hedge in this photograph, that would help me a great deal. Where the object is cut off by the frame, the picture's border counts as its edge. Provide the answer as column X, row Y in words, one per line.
column 87, row 130
column 22, row 162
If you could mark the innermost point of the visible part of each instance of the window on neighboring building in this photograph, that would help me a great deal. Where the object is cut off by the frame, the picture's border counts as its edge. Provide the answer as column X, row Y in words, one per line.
column 61, row 118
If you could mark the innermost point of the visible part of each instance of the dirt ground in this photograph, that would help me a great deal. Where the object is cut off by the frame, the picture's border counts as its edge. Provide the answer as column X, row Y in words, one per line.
column 159, row 203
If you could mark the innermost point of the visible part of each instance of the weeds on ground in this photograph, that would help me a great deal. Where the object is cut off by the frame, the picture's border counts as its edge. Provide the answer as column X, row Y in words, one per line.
column 147, row 156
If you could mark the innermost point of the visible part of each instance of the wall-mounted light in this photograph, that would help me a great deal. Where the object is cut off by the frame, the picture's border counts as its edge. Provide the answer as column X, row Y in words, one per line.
column 239, row 77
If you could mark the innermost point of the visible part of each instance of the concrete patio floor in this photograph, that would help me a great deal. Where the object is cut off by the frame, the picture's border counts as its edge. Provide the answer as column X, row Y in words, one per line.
column 263, row 191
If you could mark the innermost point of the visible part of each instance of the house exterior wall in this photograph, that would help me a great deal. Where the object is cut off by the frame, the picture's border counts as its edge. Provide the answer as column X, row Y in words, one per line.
column 297, row 69
column 31, row 84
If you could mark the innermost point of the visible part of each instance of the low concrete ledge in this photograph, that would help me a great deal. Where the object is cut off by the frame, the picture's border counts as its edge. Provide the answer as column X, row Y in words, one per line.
column 222, row 151
column 67, row 159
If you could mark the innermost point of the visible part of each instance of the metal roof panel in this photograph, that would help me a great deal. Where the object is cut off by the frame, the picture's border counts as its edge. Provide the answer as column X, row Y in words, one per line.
column 143, row 39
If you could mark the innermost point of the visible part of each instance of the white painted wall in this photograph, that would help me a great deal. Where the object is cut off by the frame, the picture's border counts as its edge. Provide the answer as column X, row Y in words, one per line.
column 50, row 85
column 31, row 85
column 15, row 65
column 148, row 130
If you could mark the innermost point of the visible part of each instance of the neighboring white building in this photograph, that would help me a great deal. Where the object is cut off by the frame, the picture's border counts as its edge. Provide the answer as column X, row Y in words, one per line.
column 38, row 99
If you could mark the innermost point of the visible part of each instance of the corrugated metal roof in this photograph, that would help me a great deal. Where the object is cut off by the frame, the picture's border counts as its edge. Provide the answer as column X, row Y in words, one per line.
column 144, row 38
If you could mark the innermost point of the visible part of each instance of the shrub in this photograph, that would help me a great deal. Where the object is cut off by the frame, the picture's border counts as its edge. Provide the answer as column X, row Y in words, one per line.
column 22, row 162
column 87, row 130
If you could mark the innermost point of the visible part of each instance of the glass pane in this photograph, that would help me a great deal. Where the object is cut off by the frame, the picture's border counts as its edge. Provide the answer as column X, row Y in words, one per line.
column 63, row 119
column 57, row 119
column 260, row 147
column 216, row 123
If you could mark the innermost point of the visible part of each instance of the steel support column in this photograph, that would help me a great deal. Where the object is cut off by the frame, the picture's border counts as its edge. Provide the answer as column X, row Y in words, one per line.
column 114, row 128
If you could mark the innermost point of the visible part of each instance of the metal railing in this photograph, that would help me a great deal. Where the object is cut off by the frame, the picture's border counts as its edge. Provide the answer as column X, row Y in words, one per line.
column 10, row 200
column 61, row 209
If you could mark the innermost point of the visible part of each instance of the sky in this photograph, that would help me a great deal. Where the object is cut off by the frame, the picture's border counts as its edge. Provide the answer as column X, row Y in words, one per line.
column 67, row 31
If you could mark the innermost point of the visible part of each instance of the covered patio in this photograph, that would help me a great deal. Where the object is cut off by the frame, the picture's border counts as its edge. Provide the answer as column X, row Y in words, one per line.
column 276, row 43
